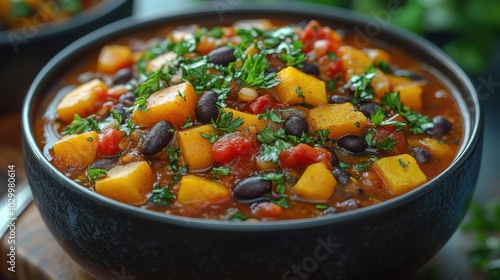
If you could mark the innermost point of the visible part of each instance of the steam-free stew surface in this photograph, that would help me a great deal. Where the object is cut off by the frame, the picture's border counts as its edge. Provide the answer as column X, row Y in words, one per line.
column 250, row 122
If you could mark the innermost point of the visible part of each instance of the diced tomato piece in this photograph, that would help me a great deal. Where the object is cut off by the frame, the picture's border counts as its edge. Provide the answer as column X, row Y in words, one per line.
column 233, row 145
column 334, row 68
column 304, row 155
column 314, row 32
column 401, row 146
column 263, row 103
column 267, row 210
column 322, row 47
column 109, row 142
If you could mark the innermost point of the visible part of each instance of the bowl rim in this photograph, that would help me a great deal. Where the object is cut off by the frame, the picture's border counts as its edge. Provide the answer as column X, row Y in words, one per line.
column 345, row 17
column 64, row 25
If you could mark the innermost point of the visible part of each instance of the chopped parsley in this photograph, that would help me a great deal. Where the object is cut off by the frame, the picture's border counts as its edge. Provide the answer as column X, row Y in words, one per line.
column 127, row 127
column 222, row 170
column 418, row 123
column 378, row 119
column 289, row 52
column 277, row 178
column 402, row 163
column 387, row 144
column 163, row 47
column 226, row 123
column 360, row 86
column 188, row 123
column 271, row 116
column 330, row 85
column 300, row 94
column 173, row 158
column 116, row 116
column 282, row 202
column 322, row 136
column 321, row 206
column 210, row 136
column 384, row 66
column 182, row 95
column 253, row 72
column 344, row 165
column 331, row 55
column 96, row 173
column 80, row 125
column 360, row 167
column 271, row 152
column 161, row 196
column 237, row 216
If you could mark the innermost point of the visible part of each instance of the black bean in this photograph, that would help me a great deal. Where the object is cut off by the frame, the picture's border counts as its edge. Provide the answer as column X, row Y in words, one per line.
column 408, row 74
column 338, row 99
column 310, row 68
column 341, row 175
column 122, row 76
column 206, row 108
column 352, row 143
column 334, row 160
column 441, row 127
column 120, row 109
column 296, row 125
column 105, row 163
column 221, row 56
column 127, row 99
column 368, row 108
column 251, row 188
column 157, row 138
column 421, row 155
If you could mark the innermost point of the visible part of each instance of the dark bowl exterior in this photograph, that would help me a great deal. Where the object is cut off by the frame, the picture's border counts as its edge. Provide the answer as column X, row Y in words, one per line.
column 24, row 52
column 391, row 240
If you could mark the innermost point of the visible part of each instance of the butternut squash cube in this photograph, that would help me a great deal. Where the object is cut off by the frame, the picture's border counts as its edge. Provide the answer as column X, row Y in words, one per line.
column 174, row 104
column 127, row 183
column 161, row 60
column 340, row 119
column 199, row 190
column 113, row 58
column 380, row 84
column 77, row 150
column 410, row 95
column 316, row 183
column 251, row 122
column 313, row 89
column 400, row 173
column 437, row 149
column 377, row 55
column 80, row 101
column 196, row 149
column 354, row 61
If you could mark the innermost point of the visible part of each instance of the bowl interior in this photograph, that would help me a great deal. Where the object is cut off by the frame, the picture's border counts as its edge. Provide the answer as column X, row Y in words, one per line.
column 367, row 30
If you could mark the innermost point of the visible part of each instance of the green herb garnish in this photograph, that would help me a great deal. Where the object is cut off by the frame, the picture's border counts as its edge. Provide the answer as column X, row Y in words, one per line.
column 226, row 123
column 95, row 173
column 360, row 86
column 418, row 123
column 161, row 196
column 222, row 170
column 80, row 125
column 270, row 115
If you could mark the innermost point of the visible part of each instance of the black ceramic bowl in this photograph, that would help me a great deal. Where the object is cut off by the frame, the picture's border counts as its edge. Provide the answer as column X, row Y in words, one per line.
column 390, row 240
column 25, row 51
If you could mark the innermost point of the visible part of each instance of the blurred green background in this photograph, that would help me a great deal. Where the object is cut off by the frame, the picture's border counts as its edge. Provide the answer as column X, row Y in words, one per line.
column 468, row 30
